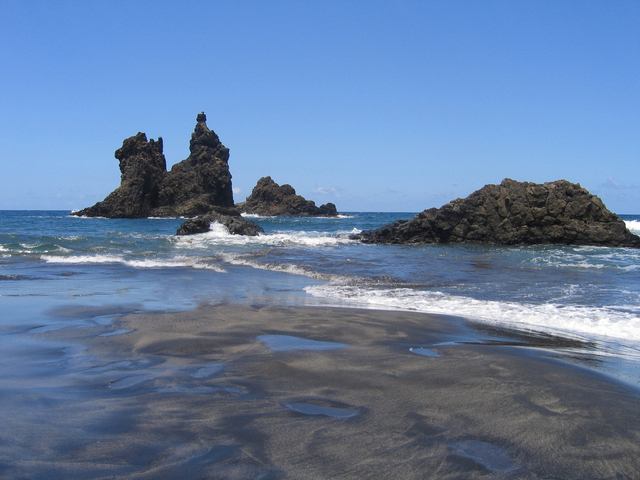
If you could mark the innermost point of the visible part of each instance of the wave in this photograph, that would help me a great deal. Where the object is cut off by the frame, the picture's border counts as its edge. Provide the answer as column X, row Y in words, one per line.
column 620, row 323
column 633, row 226
column 176, row 262
column 255, row 215
column 589, row 257
column 32, row 248
column 219, row 235
column 240, row 260
column 71, row 215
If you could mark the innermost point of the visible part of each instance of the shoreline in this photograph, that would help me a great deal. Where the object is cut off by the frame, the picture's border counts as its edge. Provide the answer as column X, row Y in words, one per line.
column 218, row 392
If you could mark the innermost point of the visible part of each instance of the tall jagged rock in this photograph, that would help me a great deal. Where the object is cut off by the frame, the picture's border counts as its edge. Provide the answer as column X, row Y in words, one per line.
column 197, row 185
column 514, row 213
column 202, row 182
column 270, row 199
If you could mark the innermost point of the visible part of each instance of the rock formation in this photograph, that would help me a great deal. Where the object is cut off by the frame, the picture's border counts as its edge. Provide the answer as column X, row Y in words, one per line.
column 197, row 185
column 270, row 199
column 234, row 223
column 514, row 213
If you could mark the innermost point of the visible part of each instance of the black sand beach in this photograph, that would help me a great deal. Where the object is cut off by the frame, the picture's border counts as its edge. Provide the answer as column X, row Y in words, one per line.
column 197, row 395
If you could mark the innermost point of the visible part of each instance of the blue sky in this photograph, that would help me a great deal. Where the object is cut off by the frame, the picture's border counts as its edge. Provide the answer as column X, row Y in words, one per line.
column 372, row 105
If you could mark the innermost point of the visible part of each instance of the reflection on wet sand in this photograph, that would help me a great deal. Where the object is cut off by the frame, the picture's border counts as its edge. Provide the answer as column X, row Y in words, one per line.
column 284, row 392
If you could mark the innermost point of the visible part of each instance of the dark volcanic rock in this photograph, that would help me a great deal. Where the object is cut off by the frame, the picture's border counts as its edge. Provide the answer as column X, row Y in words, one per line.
column 269, row 198
column 234, row 223
column 514, row 213
column 197, row 185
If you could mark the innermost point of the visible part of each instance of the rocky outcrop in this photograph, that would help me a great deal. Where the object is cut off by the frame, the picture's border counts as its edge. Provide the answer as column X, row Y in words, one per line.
column 270, row 199
column 514, row 213
column 235, row 224
column 197, row 185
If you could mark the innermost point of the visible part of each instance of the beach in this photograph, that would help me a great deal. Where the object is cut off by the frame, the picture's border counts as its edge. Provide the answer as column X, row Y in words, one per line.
column 128, row 352
column 242, row 391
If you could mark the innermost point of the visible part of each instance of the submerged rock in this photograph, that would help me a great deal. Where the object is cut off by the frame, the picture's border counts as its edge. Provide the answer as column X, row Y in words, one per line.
column 199, row 184
column 236, row 224
column 270, row 199
column 514, row 213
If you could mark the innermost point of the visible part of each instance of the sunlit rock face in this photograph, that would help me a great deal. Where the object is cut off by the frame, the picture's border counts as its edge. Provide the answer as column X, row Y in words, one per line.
column 270, row 199
column 199, row 184
column 514, row 213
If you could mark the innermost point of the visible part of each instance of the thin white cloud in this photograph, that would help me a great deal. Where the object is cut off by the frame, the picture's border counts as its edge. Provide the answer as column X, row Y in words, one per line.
column 613, row 184
column 330, row 191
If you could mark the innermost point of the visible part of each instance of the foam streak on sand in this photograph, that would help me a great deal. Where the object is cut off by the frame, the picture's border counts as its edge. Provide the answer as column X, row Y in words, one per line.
column 580, row 320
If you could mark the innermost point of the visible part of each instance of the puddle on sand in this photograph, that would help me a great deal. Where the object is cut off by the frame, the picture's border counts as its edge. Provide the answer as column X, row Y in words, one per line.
column 122, row 331
column 284, row 343
column 122, row 364
column 202, row 390
column 208, row 371
column 425, row 352
column 130, row 381
column 485, row 454
column 313, row 409
column 103, row 320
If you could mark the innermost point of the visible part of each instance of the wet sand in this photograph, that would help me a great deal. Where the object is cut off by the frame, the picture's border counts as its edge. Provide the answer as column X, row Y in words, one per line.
column 232, row 392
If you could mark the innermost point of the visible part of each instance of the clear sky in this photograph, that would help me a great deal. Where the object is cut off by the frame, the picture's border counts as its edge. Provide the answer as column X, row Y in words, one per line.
column 372, row 105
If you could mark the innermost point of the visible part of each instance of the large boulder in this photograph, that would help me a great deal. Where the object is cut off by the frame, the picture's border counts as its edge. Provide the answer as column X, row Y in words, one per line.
column 514, row 213
column 197, row 185
column 270, row 199
column 235, row 224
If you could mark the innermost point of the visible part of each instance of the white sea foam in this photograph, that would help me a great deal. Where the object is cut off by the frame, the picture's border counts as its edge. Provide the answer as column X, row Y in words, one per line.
column 633, row 226
column 220, row 236
column 255, row 215
column 84, row 216
column 621, row 323
column 83, row 259
column 239, row 260
column 590, row 257
column 175, row 262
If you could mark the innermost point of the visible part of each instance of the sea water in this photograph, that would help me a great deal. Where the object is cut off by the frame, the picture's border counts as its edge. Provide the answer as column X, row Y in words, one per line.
column 60, row 271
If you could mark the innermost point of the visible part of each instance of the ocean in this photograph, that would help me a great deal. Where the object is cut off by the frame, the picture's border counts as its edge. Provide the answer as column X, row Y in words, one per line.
column 59, row 271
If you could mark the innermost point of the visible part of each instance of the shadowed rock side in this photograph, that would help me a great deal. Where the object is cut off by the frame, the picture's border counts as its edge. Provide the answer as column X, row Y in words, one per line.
column 514, row 213
column 270, row 199
column 197, row 185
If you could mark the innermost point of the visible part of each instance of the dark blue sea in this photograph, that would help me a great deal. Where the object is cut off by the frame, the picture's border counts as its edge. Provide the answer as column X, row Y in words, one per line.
column 50, row 261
